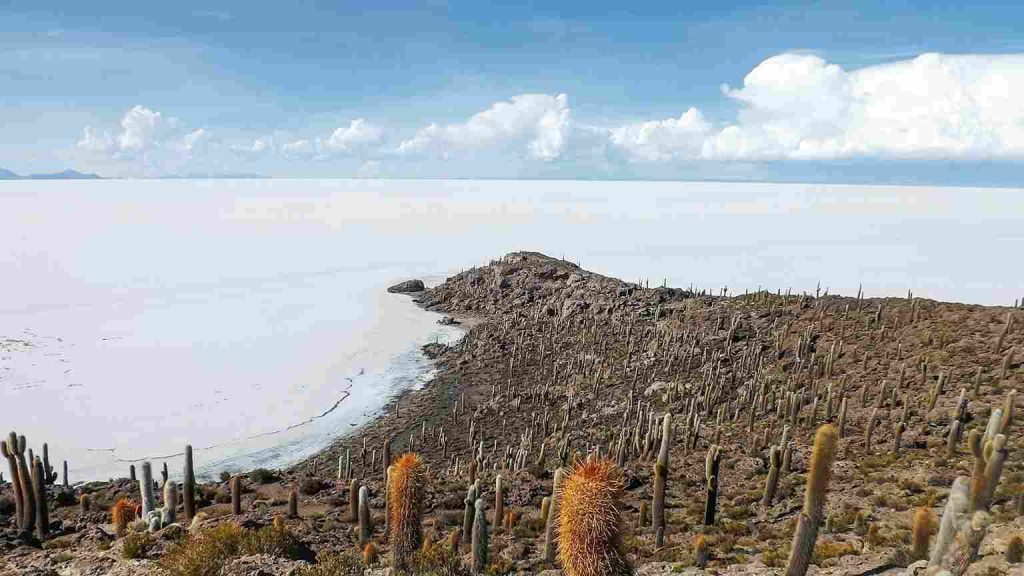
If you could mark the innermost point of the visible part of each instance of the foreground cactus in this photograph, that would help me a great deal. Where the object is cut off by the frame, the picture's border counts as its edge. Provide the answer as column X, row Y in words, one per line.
column 589, row 543
column 9, row 449
column 405, row 506
column 39, row 491
column 550, row 535
column 479, row 540
column 818, row 477
column 189, row 484
column 660, row 479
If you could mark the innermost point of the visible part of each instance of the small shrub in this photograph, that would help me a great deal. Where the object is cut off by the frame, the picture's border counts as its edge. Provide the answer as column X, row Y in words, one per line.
column 262, row 476
column 346, row 564
column 137, row 545
column 310, row 486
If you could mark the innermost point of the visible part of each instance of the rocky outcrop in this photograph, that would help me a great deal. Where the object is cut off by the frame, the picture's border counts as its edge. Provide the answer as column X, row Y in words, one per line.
column 407, row 287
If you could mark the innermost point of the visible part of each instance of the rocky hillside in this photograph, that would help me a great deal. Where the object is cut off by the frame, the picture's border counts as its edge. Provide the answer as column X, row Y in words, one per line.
column 561, row 365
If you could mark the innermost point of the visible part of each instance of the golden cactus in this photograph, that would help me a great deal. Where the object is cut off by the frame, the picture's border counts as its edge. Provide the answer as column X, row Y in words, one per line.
column 588, row 519
column 405, row 504
column 921, row 531
column 369, row 554
column 123, row 513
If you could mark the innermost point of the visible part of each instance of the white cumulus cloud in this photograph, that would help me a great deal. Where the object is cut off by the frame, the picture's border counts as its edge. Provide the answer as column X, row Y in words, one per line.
column 537, row 123
column 796, row 106
column 358, row 133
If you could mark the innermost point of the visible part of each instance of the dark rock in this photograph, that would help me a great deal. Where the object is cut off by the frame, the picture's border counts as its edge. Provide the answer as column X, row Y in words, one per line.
column 407, row 287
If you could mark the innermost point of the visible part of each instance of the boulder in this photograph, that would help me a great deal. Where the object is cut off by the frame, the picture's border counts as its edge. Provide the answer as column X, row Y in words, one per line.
column 407, row 287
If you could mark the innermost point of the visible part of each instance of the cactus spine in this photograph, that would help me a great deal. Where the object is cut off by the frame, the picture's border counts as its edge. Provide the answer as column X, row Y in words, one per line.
column 661, row 477
column 809, row 522
column 146, row 489
column 236, row 495
column 189, row 484
column 405, row 505
column 479, row 539
column 550, row 535
column 589, row 542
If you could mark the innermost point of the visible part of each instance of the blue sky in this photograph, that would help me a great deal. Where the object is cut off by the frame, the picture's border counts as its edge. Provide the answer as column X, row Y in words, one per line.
column 825, row 91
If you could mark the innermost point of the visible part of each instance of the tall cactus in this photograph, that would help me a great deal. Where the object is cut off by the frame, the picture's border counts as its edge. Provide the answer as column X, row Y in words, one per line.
column 550, row 530
column 470, row 509
column 818, row 477
column 589, row 542
column 712, row 463
column 479, row 540
column 499, row 499
column 39, row 479
column 772, row 483
column 353, row 500
column 236, row 495
column 661, row 478
column 188, row 485
column 9, row 448
column 170, row 511
column 405, row 507
column 28, row 520
column 146, row 489
column 365, row 527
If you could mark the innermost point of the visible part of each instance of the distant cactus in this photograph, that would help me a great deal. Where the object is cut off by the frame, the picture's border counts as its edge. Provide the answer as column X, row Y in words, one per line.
column 772, row 482
column 711, row 466
column 353, row 500
column 9, row 449
column 470, row 508
column 499, row 499
column 188, row 485
column 545, row 507
column 479, row 539
column 921, row 531
column 236, row 495
column 406, row 484
column 84, row 503
column 550, row 530
column 589, row 543
column 293, row 503
column 661, row 477
column 49, row 476
column 809, row 521
column 641, row 517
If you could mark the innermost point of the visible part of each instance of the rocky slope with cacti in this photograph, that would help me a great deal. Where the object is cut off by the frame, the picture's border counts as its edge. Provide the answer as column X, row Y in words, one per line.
column 763, row 433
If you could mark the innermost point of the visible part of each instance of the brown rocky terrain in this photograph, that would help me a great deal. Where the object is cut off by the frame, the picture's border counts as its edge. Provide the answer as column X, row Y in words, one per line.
column 559, row 363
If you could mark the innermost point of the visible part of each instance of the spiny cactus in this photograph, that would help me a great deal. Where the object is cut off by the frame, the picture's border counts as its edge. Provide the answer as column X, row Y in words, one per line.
column 353, row 500
column 293, row 503
column 39, row 491
column 365, row 527
column 188, row 485
column 121, row 514
column 369, row 555
column 711, row 466
column 479, row 539
column 499, row 499
column 809, row 521
column 470, row 508
column 146, row 489
column 550, row 530
column 405, row 507
column 589, row 543
column 772, row 483
column 9, row 449
column 921, row 531
column 236, row 495
column 170, row 512
column 661, row 476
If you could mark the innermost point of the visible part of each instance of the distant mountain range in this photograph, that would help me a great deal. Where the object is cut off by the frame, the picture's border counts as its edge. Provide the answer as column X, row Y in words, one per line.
column 65, row 175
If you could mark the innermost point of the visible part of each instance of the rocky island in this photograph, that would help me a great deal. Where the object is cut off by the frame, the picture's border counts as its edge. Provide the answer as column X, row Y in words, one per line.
column 587, row 425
